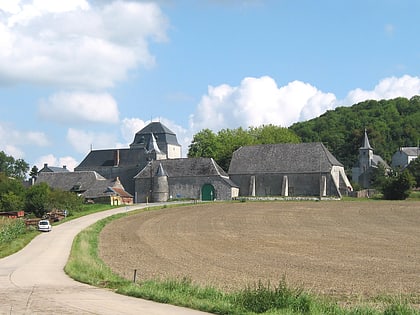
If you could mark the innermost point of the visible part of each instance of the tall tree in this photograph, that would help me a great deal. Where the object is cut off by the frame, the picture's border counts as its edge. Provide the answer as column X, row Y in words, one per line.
column 12, row 167
column 221, row 146
column 37, row 198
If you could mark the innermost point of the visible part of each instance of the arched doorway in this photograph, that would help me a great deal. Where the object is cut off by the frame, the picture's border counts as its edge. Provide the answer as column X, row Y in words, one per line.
column 208, row 192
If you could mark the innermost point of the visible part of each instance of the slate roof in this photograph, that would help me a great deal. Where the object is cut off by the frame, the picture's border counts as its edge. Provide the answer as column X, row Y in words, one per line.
column 185, row 167
column 282, row 158
column 366, row 144
column 127, row 157
column 377, row 160
column 410, row 151
column 89, row 183
column 162, row 134
column 53, row 169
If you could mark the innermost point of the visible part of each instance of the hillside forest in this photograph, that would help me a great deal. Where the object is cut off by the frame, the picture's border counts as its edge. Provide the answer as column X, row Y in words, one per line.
column 390, row 124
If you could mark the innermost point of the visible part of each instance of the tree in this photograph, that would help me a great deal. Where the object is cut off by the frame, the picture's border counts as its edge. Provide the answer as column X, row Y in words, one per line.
column 37, row 199
column 11, row 202
column 204, row 144
column 12, row 193
column 64, row 200
column 221, row 146
column 11, row 167
column 414, row 168
column 34, row 172
column 398, row 185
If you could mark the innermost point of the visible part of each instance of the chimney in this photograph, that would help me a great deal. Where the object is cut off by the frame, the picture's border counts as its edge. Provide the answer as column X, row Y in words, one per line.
column 64, row 167
column 45, row 165
column 117, row 157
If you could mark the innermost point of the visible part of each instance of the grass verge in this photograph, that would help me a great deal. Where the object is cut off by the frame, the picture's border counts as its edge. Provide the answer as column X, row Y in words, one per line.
column 85, row 266
column 19, row 239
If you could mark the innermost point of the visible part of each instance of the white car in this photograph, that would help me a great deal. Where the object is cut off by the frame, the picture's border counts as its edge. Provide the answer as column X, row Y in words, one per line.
column 44, row 225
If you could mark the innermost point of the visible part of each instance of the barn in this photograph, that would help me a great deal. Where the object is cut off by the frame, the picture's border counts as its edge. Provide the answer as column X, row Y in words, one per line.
column 288, row 169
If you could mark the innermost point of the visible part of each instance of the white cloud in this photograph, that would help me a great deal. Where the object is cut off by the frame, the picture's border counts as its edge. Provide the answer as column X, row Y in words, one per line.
column 388, row 88
column 52, row 160
column 11, row 140
column 258, row 101
column 129, row 127
column 80, row 107
column 75, row 45
column 82, row 141
column 10, row 6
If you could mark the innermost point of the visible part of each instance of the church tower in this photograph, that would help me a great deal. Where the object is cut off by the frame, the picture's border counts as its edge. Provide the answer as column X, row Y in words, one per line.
column 365, row 154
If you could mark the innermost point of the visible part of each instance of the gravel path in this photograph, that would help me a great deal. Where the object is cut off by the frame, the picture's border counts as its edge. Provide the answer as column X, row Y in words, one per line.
column 337, row 248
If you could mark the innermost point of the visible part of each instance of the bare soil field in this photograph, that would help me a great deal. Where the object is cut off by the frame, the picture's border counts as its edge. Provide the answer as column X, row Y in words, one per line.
column 345, row 249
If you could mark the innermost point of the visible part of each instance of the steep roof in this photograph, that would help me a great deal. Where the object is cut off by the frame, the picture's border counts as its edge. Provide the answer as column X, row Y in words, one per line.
column 162, row 134
column 282, row 158
column 366, row 144
column 186, row 167
column 88, row 183
column 109, row 157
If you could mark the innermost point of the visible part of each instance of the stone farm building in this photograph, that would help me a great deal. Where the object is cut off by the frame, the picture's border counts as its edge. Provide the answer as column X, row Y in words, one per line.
column 193, row 178
column 302, row 169
column 88, row 184
column 152, row 169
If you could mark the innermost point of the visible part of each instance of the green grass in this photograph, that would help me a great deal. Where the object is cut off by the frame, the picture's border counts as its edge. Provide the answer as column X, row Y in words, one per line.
column 15, row 245
column 262, row 298
column 13, row 237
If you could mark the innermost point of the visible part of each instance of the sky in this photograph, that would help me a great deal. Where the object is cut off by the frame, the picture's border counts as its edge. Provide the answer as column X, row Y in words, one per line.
column 77, row 75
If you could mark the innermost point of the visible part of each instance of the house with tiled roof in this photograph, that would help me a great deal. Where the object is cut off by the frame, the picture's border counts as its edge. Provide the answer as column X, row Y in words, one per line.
column 288, row 169
column 88, row 184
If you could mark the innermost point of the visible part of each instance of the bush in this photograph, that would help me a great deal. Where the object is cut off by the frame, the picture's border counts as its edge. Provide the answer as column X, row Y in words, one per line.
column 11, row 229
column 398, row 186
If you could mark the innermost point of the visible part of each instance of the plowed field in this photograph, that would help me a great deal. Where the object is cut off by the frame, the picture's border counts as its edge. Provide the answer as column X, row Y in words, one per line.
column 336, row 248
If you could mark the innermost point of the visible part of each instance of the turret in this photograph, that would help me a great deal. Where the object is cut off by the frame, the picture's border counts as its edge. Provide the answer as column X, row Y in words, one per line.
column 160, row 185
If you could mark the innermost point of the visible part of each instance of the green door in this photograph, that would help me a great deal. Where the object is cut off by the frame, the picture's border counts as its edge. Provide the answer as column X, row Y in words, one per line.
column 207, row 192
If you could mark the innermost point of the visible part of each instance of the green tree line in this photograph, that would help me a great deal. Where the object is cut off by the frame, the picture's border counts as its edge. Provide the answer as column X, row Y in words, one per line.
column 390, row 124
column 221, row 145
column 37, row 199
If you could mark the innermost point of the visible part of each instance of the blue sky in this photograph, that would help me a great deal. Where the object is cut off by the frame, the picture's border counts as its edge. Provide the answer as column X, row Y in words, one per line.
column 77, row 74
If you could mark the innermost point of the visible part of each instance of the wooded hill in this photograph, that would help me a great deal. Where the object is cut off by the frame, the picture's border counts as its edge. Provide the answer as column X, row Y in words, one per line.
column 390, row 124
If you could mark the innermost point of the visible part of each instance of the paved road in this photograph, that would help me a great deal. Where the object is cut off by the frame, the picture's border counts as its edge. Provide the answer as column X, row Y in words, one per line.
column 32, row 281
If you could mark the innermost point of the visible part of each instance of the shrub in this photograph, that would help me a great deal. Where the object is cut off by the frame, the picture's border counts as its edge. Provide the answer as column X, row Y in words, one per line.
column 11, row 229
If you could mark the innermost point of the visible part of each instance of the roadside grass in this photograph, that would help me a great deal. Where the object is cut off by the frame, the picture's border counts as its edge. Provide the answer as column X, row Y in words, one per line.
column 85, row 266
column 14, row 235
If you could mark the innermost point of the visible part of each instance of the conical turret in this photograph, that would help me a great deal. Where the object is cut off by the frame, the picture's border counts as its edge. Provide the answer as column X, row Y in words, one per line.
column 160, row 185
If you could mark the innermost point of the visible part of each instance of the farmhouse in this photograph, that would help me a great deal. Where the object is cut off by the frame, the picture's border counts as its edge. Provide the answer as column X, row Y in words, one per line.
column 88, row 184
column 404, row 156
column 368, row 162
column 303, row 169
